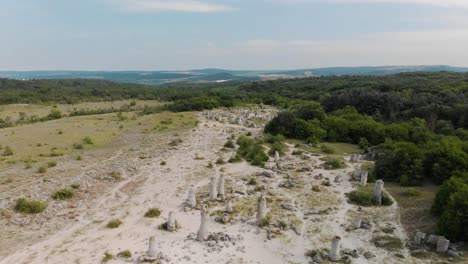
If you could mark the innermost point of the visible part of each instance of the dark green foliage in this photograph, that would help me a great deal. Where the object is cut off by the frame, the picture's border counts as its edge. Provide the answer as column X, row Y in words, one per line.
column 153, row 213
column 107, row 257
column 114, row 223
column 450, row 187
column 26, row 206
column 251, row 151
column 453, row 223
column 334, row 164
column 88, row 140
column 63, row 194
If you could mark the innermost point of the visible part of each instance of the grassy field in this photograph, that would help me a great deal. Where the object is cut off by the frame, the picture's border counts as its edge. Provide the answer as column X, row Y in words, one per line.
column 13, row 111
column 327, row 148
column 415, row 204
column 45, row 141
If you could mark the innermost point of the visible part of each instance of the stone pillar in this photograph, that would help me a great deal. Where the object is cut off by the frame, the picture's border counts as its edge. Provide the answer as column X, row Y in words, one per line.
column 192, row 201
column 261, row 211
column 335, row 249
column 171, row 222
column 202, row 234
column 229, row 205
column 364, row 175
column 357, row 223
column 277, row 156
column 378, row 189
column 213, row 191
column 152, row 247
column 221, row 187
column 442, row 245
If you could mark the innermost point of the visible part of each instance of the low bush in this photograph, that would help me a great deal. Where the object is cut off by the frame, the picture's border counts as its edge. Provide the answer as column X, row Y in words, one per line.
column 7, row 151
column 153, row 213
column 88, row 140
column 229, row 144
column 124, row 254
column 107, row 257
column 63, row 194
column 411, row 192
column 51, row 164
column 42, row 169
column 114, row 223
column 26, row 206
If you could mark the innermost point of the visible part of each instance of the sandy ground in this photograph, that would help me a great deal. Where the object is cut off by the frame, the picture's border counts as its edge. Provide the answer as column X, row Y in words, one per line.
column 76, row 231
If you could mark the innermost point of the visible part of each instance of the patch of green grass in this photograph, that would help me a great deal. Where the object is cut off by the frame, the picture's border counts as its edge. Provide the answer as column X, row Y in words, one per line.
column 316, row 188
column 7, row 151
column 364, row 196
column 327, row 149
column 265, row 221
column 88, row 140
column 114, row 223
column 387, row 242
column 75, row 186
column 229, row 144
column 26, row 206
column 334, row 164
column 63, row 194
column 411, row 192
column 42, row 169
column 51, row 164
column 153, row 213
column 116, row 176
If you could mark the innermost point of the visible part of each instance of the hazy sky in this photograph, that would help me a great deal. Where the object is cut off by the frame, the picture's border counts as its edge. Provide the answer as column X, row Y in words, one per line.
column 233, row 34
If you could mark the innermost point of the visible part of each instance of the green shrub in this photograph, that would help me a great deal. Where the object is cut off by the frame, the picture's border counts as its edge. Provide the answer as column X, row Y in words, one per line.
column 30, row 206
column 7, row 151
column 124, row 254
column 326, row 149
column 88, row 140
column 251, row 151
column 75, row 186
column 163, row 163
column 42, row 169
column 220, row 161
column 277, row 146
column 51, row 164
column 153, row 213
column 77, row 146
column 316, row 188
column 107, row 257
column 453, row 224
column 229, row 144
column 114, row 223
column 252, row 181
column 388, row 242
column 63, row 194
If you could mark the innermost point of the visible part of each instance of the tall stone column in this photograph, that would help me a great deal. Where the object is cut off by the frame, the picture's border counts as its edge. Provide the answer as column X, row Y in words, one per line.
column 261, row 210
column 191, row 199
column 202, row 234
column 171, row 222
column 213, row 190
column 378, row 190
column 221, row 191
column 152, row 247
column 335, row 249
column 364, row 175
column 229, row 205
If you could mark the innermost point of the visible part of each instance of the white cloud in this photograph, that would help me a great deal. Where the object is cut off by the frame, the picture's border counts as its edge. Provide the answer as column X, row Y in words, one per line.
column 388, row 48
column 192, row 6
column 437, row 3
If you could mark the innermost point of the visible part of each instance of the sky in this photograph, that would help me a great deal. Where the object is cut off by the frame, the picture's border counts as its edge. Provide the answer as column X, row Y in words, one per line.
column 230, row 34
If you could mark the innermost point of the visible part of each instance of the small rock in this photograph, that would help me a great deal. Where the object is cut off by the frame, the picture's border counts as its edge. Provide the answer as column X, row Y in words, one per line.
column 369, row 255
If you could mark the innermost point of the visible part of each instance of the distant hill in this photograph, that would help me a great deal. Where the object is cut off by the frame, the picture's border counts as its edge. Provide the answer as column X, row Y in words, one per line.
column 219, row 75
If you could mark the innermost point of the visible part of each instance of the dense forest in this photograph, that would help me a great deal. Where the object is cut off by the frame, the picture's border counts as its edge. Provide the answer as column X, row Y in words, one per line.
column 413, row 124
